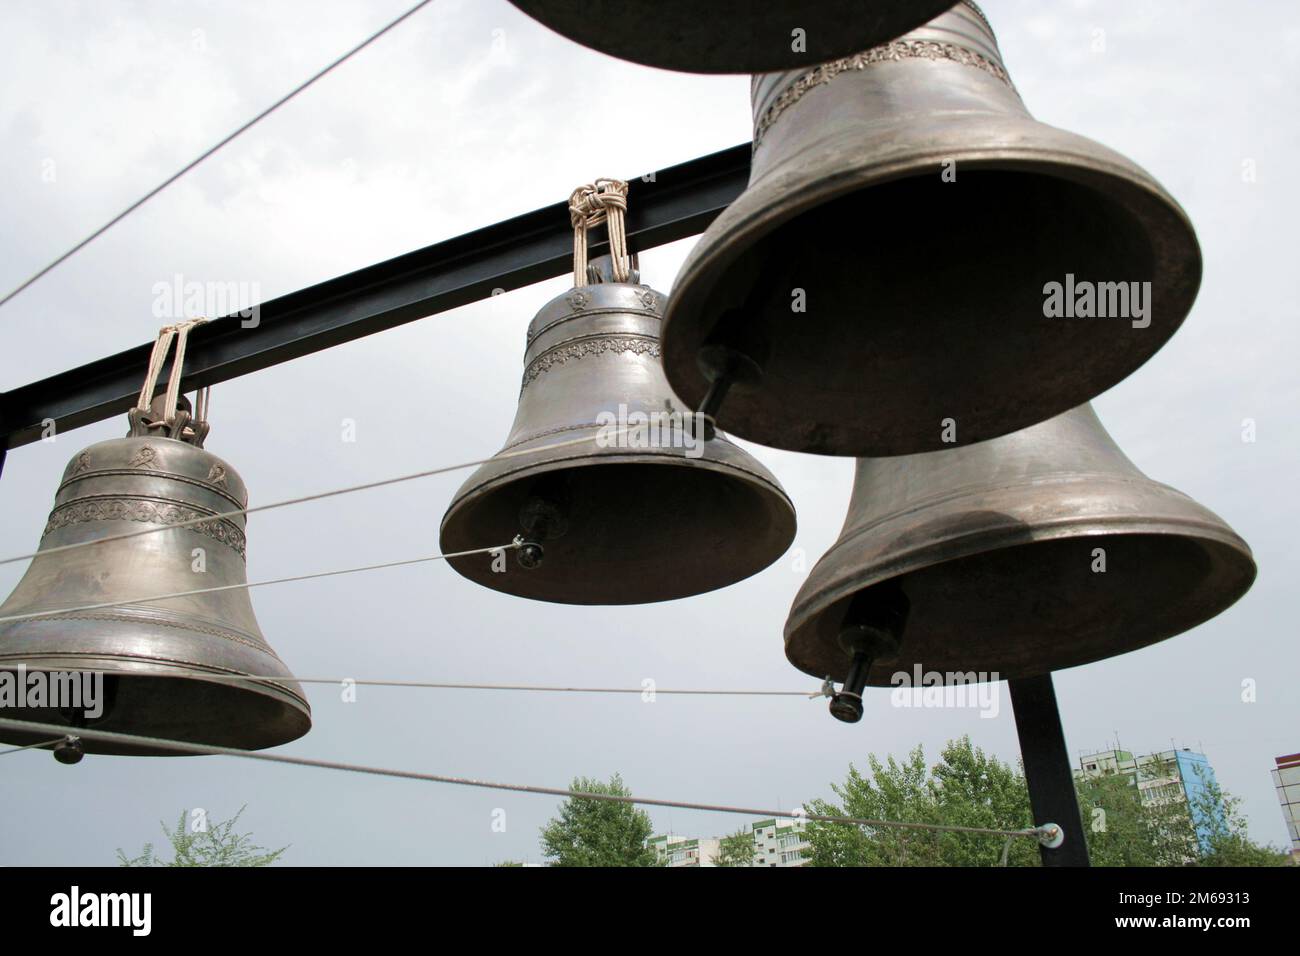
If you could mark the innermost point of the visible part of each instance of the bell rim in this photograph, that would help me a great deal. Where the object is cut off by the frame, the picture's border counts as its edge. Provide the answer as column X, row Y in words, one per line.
column 1233, row 554
column 777, row 505
column 647, row 456
column 733, row 61
column 293, row 706
column 779, row 196
column 162, row 667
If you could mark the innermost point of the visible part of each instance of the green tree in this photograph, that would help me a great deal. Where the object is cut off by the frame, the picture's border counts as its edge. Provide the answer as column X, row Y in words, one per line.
column 736, row 849
column 1123, row 831
column 894, row 791
column 974, row 789
column 215, row 844
column 598, row 832
column 969, row 788
column 1226, row 842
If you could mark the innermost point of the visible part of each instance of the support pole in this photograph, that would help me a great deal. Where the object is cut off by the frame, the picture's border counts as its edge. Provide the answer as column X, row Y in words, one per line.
column 1052, row 796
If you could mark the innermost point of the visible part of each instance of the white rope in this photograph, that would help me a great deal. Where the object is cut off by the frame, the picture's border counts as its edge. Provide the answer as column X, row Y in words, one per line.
column 366, row 486
column 517, row 543
column 604, row 201
column 180, row 746
column 161, row 346
column 180, row 332
column 202, row 402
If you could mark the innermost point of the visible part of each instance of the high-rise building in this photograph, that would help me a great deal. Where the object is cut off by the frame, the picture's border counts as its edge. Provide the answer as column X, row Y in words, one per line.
column 686, row 851
column 777, row 842
column 780, row 842
column 1169, row 776
column 1286, row 778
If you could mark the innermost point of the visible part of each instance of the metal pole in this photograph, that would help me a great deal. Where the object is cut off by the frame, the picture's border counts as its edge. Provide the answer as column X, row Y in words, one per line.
column 1052, row 796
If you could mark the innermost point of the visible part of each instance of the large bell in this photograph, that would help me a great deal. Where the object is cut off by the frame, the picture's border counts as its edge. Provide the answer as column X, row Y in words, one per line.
column 883, row 285
column 1017, row 556
column 730, row 36
column 621, row 500
column 160, row 658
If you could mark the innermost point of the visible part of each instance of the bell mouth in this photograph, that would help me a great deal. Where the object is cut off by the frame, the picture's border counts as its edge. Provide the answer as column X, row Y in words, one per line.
column 242, row 714
column 638, row 531
column 999, row 612
column 924, row 300
column 672, row 34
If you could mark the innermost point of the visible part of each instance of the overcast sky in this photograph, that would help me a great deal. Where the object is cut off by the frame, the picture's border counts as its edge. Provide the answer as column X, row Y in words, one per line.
column 470, row 113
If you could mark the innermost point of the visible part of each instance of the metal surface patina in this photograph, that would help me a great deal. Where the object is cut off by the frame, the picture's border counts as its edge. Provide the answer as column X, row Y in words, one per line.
column 159, row 658
column 635, row 506
column 1017, row 556
column 888, row 267
column 730, row 36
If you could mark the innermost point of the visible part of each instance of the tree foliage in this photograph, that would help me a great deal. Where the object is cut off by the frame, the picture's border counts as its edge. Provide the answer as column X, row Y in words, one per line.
column 736, row 849
column 970, row 788
column 1122, row 831
column 1227, row 843
column 598, row 832
column 967, row 788
column 215, row 844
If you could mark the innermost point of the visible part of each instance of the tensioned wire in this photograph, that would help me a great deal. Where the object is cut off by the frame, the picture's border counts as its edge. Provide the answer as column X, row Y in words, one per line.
column 517, row 543
column 212, row 149
column 43, row 743
column 449, row 685
column 365, row 486
column 180, row 746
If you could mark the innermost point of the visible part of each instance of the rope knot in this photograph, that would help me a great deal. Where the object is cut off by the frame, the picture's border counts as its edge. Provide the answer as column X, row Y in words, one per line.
column 604, row 201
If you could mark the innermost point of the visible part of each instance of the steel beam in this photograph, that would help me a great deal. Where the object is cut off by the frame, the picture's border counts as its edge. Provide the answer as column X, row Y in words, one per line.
column 678, row 202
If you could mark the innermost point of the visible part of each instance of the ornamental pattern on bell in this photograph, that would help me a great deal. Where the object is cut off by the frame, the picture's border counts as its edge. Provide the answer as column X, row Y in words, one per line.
column 636, row 344
column 890, row 52
column 151, row 512
column 145, row 456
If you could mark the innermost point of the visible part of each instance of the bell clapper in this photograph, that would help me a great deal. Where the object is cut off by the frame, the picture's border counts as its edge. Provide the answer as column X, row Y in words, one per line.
column 723, row 366
column 735, row 349
column 69, row 750
column 872, row 629
column 543, row 517
column 530, row 553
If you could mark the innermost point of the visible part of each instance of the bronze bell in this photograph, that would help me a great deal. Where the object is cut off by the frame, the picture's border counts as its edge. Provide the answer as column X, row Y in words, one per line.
column 621, row 500
column 1017, row 556
column 730, row 36
column 918, row 262
column 160, row 659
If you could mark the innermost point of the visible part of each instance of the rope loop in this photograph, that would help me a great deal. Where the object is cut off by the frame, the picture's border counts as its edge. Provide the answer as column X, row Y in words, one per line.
column 179, row 333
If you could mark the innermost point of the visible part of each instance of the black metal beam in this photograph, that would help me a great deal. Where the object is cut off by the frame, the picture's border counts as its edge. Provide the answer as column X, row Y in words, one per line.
column 1052, row 796
column 678, row 202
